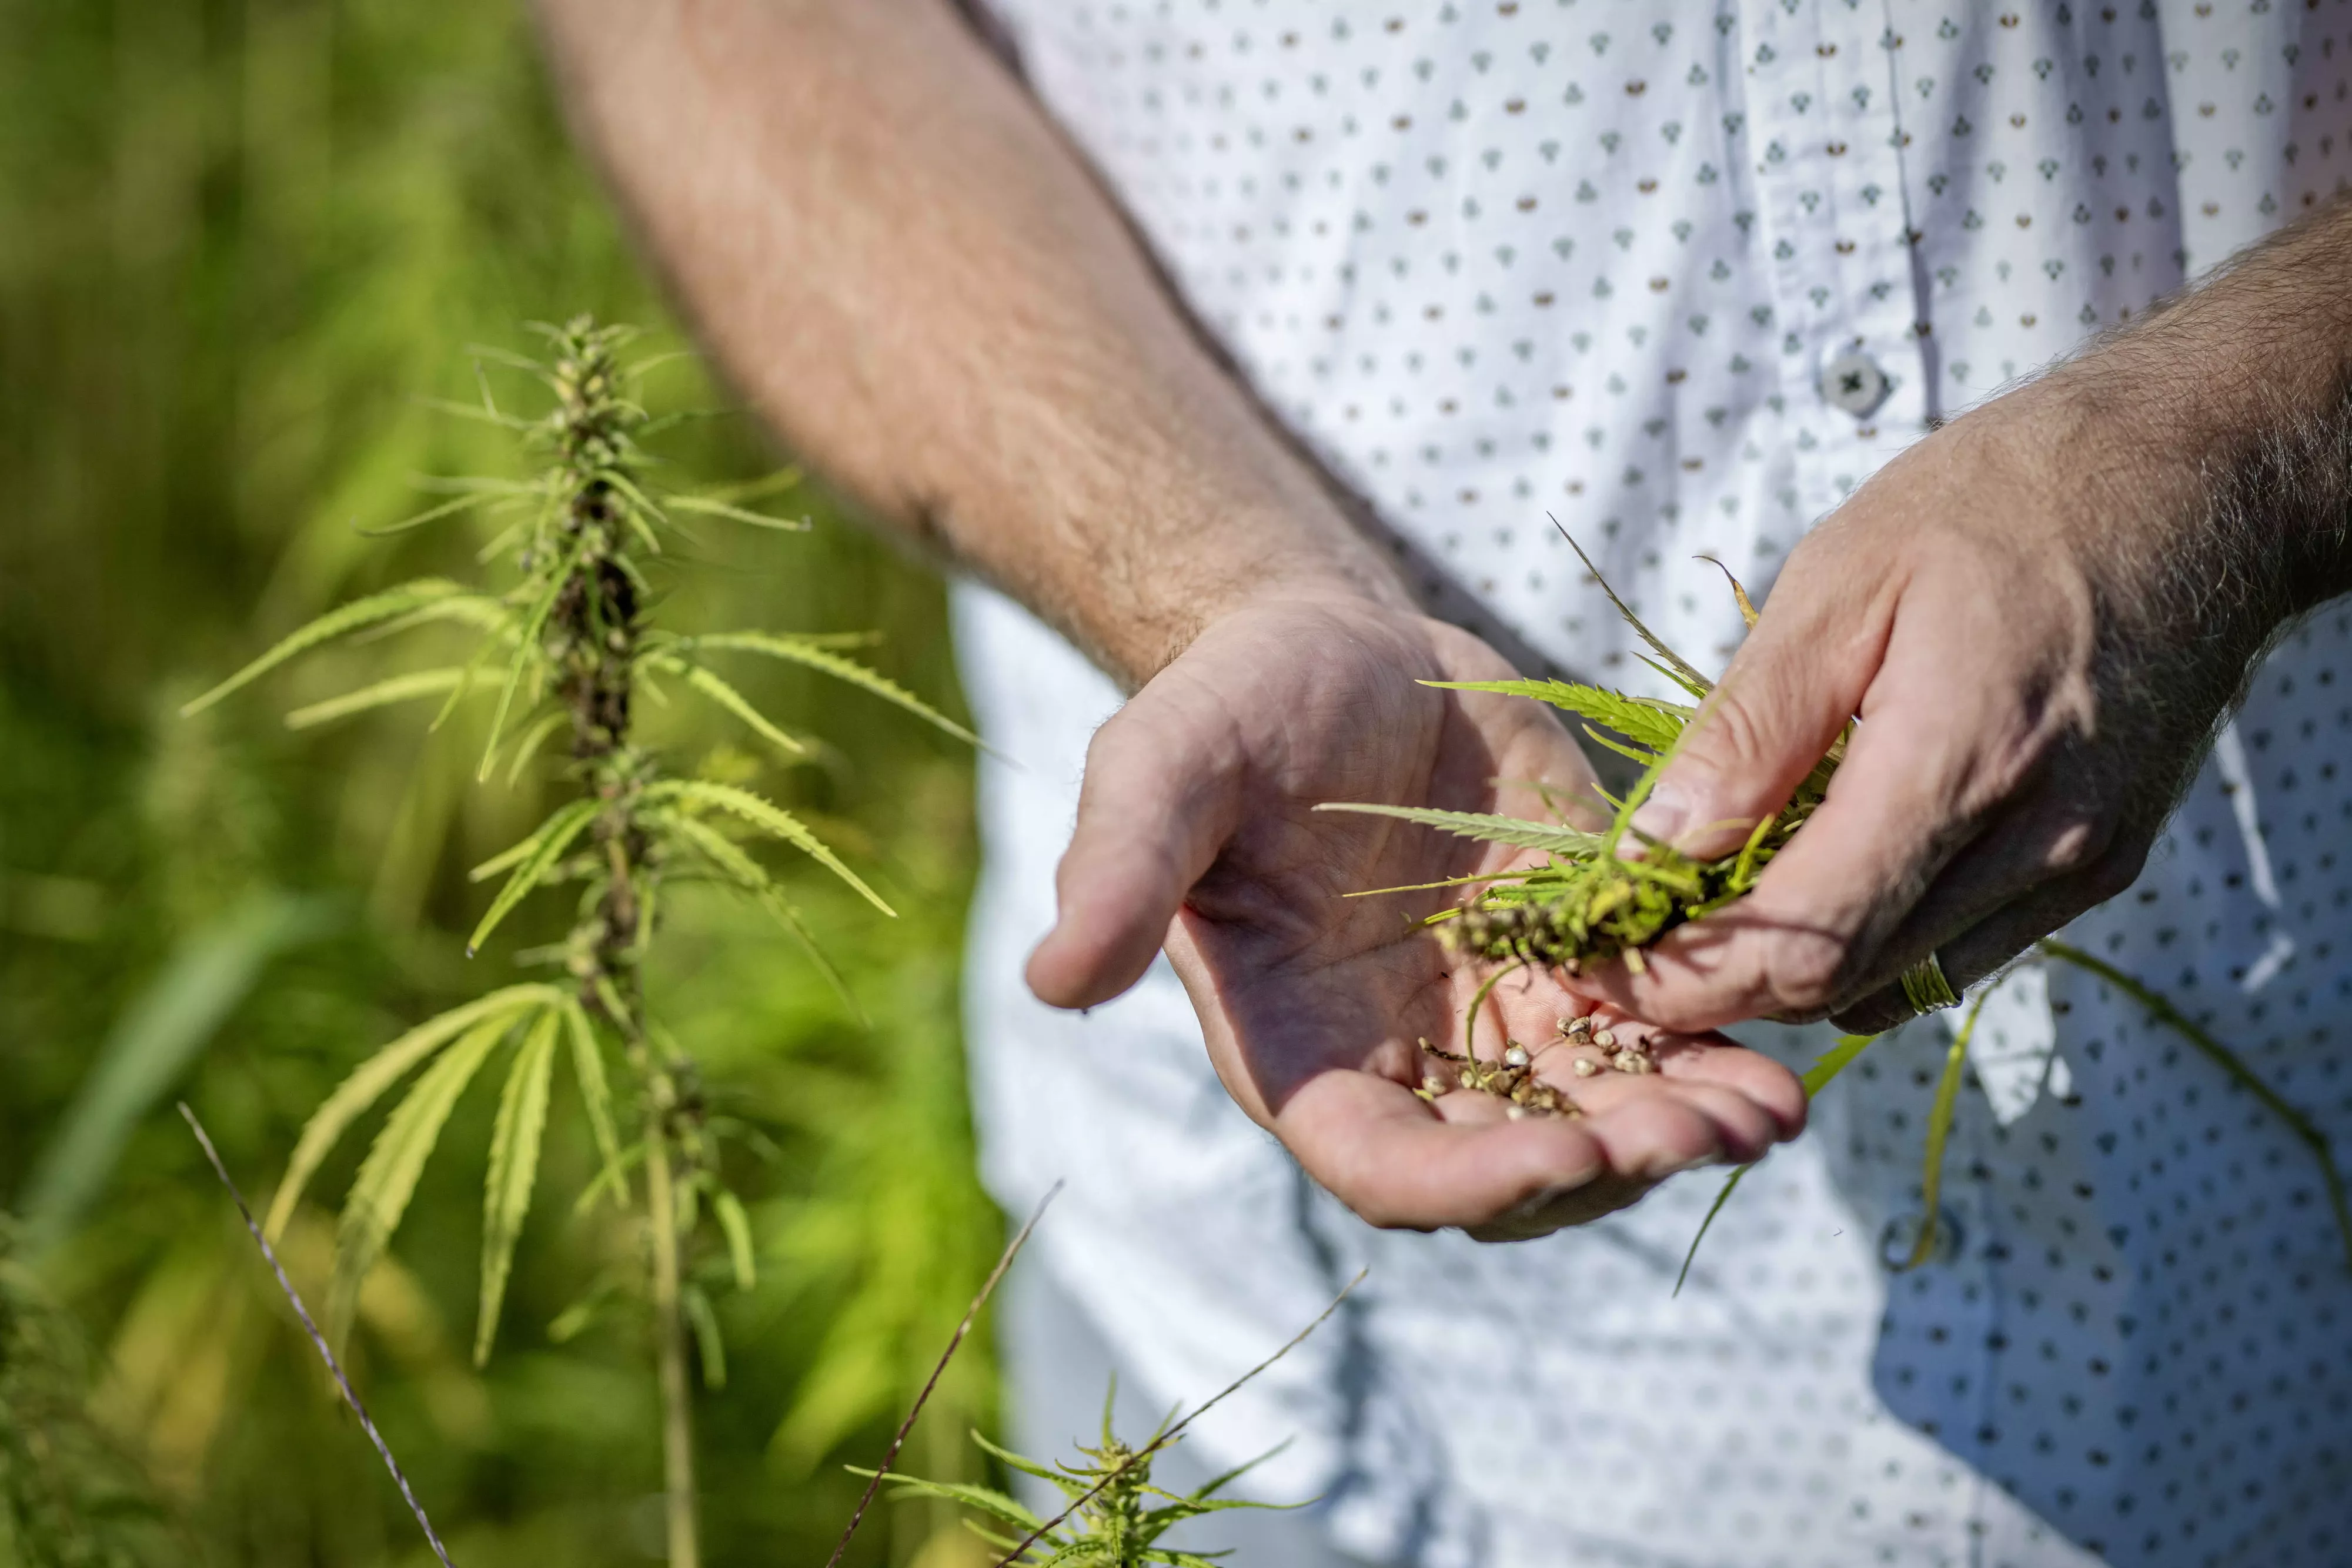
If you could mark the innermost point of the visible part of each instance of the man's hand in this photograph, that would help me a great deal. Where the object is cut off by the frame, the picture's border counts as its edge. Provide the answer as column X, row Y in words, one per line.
column 915, row 278
column 1199, row 805
column 2038, row 614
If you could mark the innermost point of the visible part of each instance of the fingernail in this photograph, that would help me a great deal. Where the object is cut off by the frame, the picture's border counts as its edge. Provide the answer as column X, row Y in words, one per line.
column 1663, row 817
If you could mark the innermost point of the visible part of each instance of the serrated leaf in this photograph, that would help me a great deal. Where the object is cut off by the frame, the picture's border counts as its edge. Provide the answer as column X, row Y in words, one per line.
column 337, row 622
column 737, row 1228
column 1550, row 837
column 554, row 836
column 367, row 1083
column 595, row 1093
column 397, row 689
column 387, row 1180
column 1020, row 1463
column 1649, row 723
column 729, row 859
column 709, row 683
column 514, row 1167
column 987, row 1500
column 810, row 651
column 766, row 816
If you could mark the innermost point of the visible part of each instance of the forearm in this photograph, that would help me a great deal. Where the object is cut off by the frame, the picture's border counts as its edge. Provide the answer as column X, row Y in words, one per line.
column 919, row 284
column 2223, row 422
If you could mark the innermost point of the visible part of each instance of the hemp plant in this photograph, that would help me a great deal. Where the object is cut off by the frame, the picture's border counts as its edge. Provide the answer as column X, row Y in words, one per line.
column 1583, row 905
column 566, row 648
column 1115, row 1516
column 1586, row 905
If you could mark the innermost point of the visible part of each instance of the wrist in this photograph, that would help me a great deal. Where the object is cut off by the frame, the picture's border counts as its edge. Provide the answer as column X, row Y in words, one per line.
column 2210, row 503
column 1177, row 578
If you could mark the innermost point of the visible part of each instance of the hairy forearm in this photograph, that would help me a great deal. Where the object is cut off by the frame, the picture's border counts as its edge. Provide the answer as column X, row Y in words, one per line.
column 2224, row 420
column 920, row 286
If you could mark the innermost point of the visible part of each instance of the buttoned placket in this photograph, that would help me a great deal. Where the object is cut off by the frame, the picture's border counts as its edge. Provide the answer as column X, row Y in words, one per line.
column 1825, row 165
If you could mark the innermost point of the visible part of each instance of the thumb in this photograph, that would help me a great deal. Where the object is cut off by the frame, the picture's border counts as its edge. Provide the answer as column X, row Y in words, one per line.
column 1161, row 797
column 1791, row 688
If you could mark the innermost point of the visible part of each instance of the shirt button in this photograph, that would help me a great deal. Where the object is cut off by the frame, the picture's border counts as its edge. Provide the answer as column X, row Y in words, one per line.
column 1853, row 382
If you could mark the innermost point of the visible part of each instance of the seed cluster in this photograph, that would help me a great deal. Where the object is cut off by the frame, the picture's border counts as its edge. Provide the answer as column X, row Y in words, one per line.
column 1513, row 1077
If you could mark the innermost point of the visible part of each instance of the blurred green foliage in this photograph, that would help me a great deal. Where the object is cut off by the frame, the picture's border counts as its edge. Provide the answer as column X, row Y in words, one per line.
column 238, row 239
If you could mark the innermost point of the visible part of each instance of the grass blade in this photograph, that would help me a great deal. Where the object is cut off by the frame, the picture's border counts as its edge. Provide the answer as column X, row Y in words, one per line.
column 1939, row 1132
column 367, row 1083
column 709, row 1344
column 514, row 1167
column 2180, row 1023
column 1817, row 1078
column 165, row 1027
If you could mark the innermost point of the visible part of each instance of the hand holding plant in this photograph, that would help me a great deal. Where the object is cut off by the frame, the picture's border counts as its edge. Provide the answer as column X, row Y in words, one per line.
column 1199, row 810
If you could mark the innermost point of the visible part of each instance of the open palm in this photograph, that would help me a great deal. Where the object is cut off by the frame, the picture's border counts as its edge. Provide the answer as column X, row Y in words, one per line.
column 1197, row 828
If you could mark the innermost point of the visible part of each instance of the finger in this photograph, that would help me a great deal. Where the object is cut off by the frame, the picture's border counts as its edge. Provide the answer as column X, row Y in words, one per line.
column 1650, row 1129
column 1378, row 1149
column 1161, row 797
column 1984, row 947
column 1918, row 781
column 1714, row 1060
column 1789, row 689
column 2033, row 858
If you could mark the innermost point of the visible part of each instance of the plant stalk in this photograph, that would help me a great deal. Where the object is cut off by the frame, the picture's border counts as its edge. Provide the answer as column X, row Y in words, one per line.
column 669, row 1332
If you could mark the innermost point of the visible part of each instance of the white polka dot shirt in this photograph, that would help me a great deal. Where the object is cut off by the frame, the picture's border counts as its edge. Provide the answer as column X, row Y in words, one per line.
column 1682, row 276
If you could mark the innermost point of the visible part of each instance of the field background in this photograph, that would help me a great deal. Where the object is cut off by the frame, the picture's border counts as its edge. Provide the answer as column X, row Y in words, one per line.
column 238, row 240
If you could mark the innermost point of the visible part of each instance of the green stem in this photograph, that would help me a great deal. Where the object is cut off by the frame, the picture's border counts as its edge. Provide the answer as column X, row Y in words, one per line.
column 670, row 1328
column 2303, row 1126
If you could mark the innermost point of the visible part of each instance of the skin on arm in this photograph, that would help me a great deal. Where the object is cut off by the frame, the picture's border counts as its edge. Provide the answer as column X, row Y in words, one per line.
column 2039, row 614
column 921, row 286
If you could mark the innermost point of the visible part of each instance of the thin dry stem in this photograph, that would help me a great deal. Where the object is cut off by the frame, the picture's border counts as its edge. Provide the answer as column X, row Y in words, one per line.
column 972, row 1315
column 350, row 1395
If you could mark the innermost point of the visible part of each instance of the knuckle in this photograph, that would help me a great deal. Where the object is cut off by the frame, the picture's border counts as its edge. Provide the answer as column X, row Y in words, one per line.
column 1804, row 974
column 2079, row 843
column 1729, row 731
